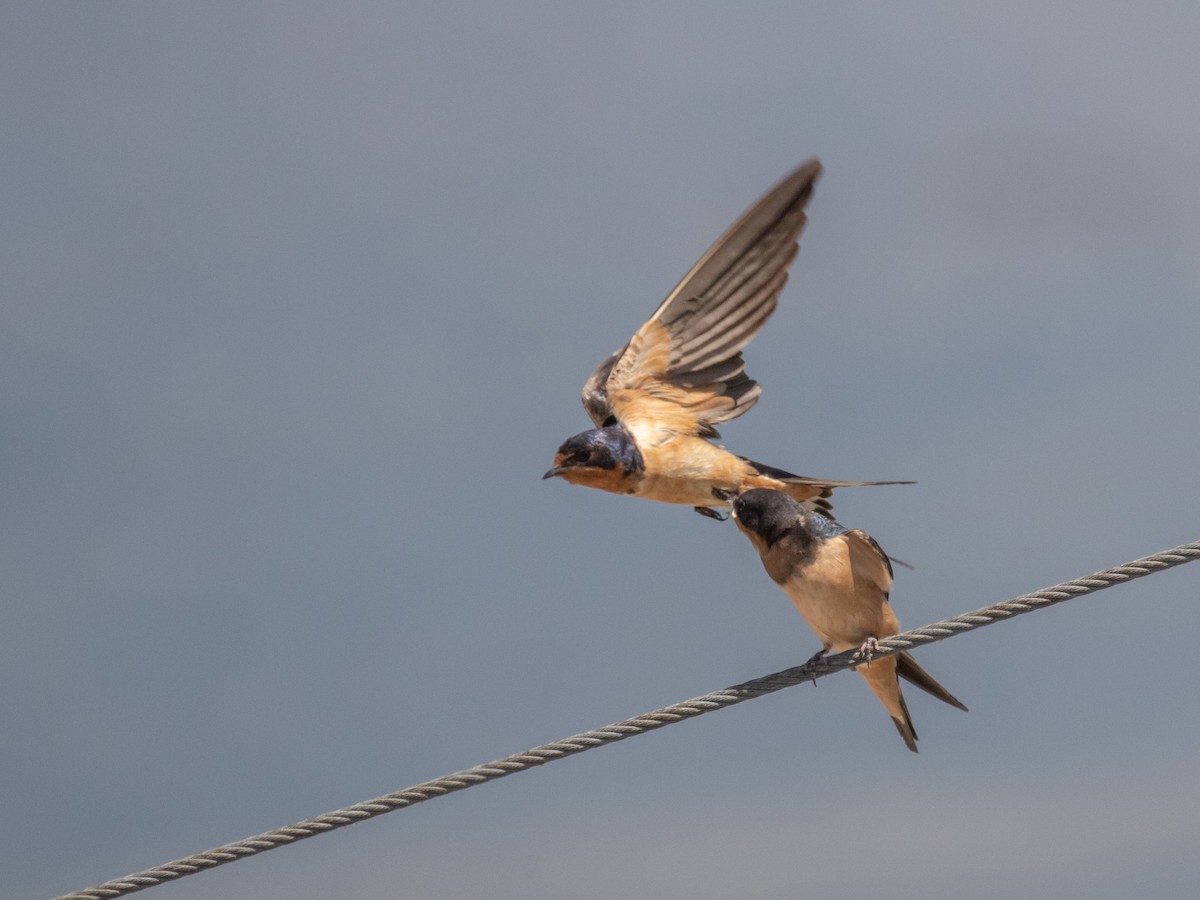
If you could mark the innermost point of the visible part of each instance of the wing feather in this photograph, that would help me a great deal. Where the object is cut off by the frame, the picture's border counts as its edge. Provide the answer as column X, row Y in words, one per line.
column 683, row 370
column 868, row 561
column 736, row 331
column 595, row 392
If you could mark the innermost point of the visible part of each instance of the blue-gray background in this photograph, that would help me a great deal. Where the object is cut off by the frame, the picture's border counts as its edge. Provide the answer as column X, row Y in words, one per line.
column 298, row 299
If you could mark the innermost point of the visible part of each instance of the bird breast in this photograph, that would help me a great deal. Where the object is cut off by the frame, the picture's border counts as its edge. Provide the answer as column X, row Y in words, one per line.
column 688, row 470
column 842, row 610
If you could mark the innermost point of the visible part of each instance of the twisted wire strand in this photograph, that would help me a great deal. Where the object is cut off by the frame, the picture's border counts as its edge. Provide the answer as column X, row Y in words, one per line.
column 519, row 762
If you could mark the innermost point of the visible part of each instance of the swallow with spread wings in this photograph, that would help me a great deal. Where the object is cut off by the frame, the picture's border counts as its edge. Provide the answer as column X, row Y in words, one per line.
column 657, row 400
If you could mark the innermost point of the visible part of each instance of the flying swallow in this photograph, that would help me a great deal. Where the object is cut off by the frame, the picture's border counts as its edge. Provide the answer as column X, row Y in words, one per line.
column 657, row 400
column 839, row 580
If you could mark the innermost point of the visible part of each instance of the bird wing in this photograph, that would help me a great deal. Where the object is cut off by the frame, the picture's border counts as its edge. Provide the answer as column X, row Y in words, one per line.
column 595, row 391
column 869, row 563
column 683, row 370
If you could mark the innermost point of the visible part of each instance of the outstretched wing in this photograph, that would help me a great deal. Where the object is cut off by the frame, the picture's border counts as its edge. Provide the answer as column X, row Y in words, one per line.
column 683, row 370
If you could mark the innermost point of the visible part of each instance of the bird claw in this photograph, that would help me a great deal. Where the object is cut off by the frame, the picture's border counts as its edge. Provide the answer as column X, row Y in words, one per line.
column 868, row 649
column 711, row 513
column 813, row 660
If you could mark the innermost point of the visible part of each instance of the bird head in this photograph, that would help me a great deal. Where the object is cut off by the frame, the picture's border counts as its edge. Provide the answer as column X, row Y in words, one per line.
column 599, row 458
column 765, row 515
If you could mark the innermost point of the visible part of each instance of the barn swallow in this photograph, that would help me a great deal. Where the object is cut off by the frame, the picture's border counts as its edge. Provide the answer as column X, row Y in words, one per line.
column 657, row 400
column 839, row 580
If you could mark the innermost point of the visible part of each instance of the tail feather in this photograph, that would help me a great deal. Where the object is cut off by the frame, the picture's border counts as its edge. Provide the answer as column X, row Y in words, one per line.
column 813, row 492
column 905, row 725
column 906, row 732
column 907, row 668
column 881, row 677
column 789, row 478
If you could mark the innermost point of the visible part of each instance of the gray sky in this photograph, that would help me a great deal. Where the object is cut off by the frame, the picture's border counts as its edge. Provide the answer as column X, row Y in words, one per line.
column 298, row 302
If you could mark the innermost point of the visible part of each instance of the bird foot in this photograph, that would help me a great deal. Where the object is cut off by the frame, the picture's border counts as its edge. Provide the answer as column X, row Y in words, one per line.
column 868, row 649
column 813, row 660
column 711, row 513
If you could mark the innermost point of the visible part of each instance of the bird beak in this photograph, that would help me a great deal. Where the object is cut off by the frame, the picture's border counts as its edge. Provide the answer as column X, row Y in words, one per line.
column 556, row 471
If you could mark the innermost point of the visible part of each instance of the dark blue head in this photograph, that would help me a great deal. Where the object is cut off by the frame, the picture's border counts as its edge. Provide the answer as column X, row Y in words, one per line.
column 769, row 515
column 610, row 450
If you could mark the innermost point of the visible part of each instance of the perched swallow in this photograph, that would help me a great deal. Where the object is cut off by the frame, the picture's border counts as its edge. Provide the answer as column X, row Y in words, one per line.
column 839, row 580
column 657, row 400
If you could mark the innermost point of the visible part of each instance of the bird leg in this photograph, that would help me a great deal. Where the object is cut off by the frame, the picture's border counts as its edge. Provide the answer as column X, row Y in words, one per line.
column 814, row 659
column 719, row 494
column 868, row 649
